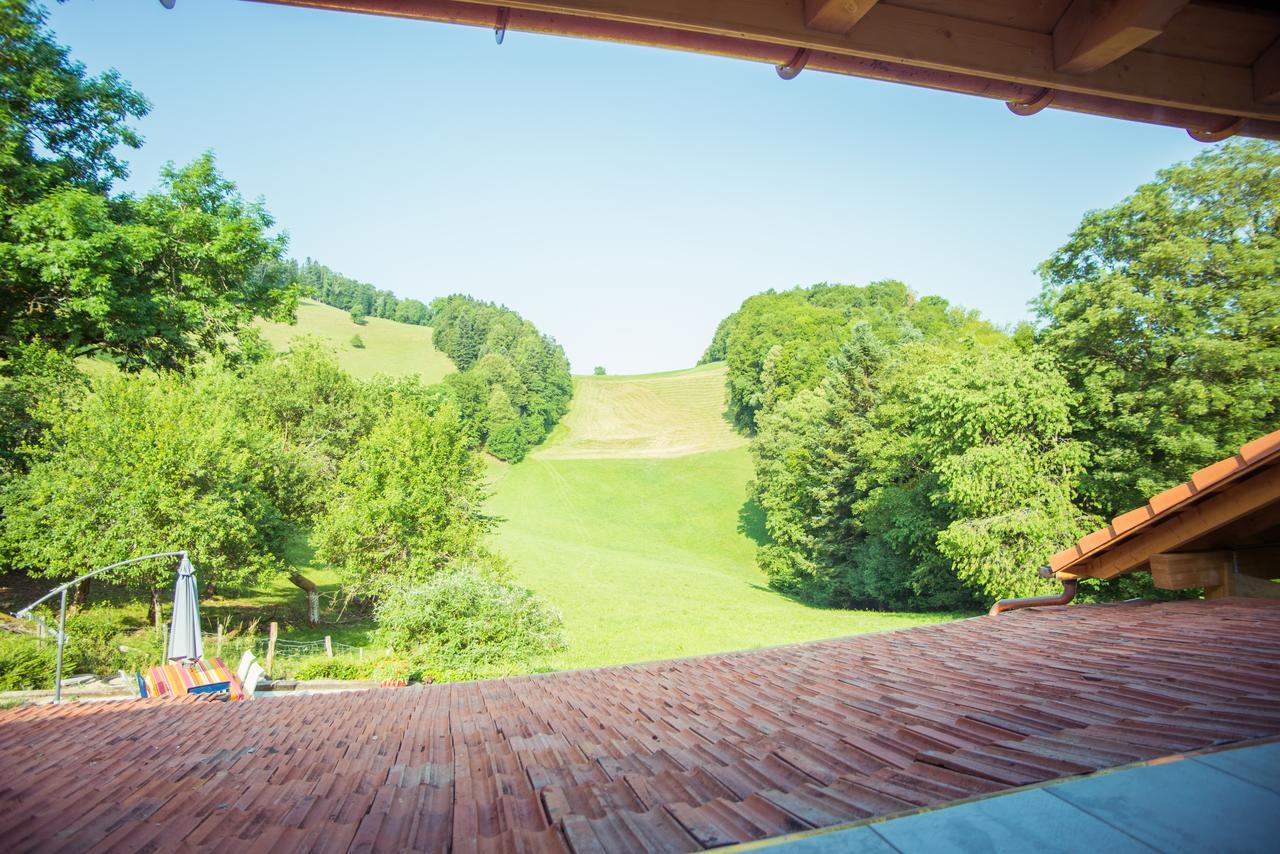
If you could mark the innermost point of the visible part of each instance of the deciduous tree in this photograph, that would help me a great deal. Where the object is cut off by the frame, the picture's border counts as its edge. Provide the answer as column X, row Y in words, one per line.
column 1162, row 311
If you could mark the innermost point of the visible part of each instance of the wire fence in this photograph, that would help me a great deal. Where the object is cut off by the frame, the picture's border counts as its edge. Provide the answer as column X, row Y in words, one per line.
column 285, row 648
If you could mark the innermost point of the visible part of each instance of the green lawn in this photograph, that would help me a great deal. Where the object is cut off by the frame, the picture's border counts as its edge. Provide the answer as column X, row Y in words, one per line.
column 395, row 349
column 653, row 558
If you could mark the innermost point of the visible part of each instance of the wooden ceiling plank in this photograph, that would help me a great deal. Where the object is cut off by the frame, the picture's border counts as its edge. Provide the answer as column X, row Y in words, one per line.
column 1266, row 75
column 1094, row 33
column 893, row 34
column 835, row 16
column 942, row 42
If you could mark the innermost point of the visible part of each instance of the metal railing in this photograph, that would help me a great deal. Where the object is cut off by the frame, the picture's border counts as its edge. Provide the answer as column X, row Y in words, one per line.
column 61, row 590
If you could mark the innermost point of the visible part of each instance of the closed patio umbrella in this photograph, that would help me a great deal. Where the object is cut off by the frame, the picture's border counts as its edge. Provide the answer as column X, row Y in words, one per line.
column 184, row 633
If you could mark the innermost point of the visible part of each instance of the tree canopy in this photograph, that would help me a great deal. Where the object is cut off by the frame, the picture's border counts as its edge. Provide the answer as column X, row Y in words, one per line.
column 142, row 464
column 921, row 457
column 1162, row 311
column 778, row 343
column 513, row 383
column 148, row 282
column 59, row 126
column 359, row 298
column 918, row 474
column 406, row 504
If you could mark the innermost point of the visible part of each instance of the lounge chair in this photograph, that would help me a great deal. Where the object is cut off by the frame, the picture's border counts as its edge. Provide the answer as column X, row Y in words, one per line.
column 249, row 673
column 211, row 676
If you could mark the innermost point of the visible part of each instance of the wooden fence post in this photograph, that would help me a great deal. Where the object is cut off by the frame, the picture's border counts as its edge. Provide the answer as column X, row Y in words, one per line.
column 271, row 646
column 219, row 642
column 328, row 646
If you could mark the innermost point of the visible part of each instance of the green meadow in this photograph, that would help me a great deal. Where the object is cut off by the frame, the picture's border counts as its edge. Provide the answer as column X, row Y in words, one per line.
column 650, row 553
column 632, row 518
column 392, row 348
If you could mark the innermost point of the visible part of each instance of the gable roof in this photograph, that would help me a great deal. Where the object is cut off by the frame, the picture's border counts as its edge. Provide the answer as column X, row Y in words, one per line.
column 1256, row 460
column 668, row 756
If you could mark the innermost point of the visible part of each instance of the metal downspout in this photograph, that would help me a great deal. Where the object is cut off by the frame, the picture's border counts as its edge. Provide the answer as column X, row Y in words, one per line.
column 1070, row 587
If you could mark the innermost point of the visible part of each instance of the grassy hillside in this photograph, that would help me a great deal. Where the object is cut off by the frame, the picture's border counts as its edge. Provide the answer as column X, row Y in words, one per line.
column 396, row 349
column 655, row 415
column 649, row 552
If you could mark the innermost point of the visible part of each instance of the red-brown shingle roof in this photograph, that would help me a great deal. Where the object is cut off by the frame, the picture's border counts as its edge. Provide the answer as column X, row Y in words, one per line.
column 668, row 756
column 1261, row 452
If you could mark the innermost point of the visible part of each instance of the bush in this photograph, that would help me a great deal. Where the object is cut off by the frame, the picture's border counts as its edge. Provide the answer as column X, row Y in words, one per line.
column 97, row 643
column 339, row 667
column 463, row 620
column 357, row 342
column 25, row 664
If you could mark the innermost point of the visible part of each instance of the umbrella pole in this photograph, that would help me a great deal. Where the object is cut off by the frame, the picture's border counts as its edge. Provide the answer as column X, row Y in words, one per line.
column 62, row 642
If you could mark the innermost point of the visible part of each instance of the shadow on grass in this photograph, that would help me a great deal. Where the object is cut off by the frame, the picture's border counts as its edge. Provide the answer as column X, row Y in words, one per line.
column 869, row 609
column 791, row 597
column 751, row 522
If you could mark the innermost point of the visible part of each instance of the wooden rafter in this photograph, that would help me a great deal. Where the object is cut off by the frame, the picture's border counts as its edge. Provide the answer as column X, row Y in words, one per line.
column 945, row 43
column 835, row 16
column 1236, row 572
column 1094, row 33
column 1149, row 87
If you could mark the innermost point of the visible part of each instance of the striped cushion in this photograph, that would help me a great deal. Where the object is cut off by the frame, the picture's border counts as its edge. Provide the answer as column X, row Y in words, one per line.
column 175, row 680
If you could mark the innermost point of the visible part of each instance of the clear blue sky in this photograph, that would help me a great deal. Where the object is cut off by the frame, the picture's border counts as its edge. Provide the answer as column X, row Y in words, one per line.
column 624, row 199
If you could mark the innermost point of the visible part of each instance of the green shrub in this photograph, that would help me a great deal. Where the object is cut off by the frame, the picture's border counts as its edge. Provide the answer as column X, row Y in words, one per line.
column 25, row 663
column 395, row 668
column 98, row 642
column 463, row 620
column 357, row 342
column 339, row 667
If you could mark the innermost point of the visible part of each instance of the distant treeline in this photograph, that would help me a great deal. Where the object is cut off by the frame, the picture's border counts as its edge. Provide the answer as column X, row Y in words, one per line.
column 513, row 382
column 909, row 454
column 332, row 288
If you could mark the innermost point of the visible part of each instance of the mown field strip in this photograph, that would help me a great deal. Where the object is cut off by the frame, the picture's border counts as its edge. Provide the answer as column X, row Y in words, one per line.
column 648, row 417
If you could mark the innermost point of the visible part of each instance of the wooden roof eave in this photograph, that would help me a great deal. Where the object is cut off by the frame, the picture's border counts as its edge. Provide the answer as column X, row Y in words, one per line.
column 918, row 47
column 1129, row 542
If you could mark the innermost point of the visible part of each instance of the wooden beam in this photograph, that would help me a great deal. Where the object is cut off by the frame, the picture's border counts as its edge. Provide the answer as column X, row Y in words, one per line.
column 886, row 33
column 1266, row 75
column 1094, row 33
column 1186, row 570
column 835, row 16
column 1240, row 500
column 1236, row 584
